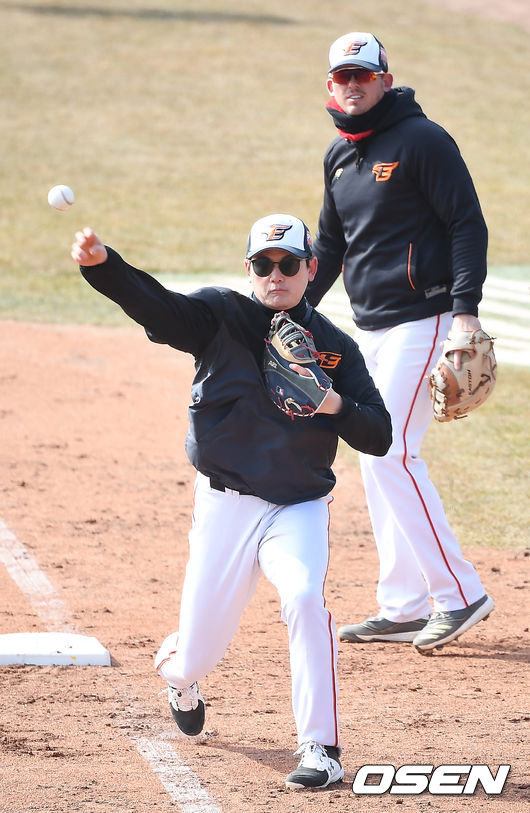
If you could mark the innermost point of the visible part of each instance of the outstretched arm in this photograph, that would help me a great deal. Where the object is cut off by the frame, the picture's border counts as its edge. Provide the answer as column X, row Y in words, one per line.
column 184, row 322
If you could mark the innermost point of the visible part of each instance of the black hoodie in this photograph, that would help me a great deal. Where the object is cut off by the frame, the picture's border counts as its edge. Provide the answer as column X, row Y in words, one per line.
column 401, row 214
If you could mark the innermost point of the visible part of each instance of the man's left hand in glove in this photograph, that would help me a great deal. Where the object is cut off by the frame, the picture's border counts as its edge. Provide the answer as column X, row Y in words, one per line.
column 293, row 378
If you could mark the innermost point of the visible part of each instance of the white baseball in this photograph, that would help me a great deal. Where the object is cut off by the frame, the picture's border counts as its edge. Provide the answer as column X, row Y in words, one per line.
column 60, row 197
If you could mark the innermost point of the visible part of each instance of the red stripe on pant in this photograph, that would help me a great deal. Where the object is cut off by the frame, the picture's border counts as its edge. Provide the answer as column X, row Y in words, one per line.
column 331, row 639
column 415, row 484
column 334, row 679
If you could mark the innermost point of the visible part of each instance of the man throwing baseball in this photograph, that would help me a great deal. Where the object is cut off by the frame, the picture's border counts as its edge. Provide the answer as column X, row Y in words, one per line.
column 263, row 469
column 401, row 217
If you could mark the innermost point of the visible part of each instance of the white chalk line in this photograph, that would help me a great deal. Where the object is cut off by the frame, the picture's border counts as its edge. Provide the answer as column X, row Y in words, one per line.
column 179, row 780
column 182, row 784
column 25, row 572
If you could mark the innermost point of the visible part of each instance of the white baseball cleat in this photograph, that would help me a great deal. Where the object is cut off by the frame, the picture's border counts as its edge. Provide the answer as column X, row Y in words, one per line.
column 318, row 767
column 187, row 708
column 187, row 705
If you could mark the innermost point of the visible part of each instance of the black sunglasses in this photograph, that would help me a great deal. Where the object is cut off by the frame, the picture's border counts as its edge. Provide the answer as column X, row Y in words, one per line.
column 288, row 265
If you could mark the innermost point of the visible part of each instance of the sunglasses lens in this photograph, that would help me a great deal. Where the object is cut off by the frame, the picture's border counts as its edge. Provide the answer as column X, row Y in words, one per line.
column 361, row 75
column 289, row 266
column 262, row 266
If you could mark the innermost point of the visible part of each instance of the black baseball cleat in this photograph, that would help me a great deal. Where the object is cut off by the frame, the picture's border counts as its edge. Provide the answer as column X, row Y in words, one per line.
column 187, row 708
column 380, row 629
column 319, row 767
column 448, row 625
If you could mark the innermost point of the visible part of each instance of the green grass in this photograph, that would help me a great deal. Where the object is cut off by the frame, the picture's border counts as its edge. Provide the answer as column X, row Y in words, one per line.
column 178, row 124
column 480, row 466
column 509, row 272
column 481, row 463
column 177, row 128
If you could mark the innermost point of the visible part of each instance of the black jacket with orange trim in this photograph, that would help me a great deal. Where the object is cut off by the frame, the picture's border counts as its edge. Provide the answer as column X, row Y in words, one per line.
column 236, row 434
column 402, row 218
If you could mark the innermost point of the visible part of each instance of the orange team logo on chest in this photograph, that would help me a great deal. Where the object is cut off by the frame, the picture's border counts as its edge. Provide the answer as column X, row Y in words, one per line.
column 383, row 171
column 328, row 360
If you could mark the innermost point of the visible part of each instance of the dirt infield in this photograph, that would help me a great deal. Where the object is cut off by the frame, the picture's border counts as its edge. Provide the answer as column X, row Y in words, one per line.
column 97, row 487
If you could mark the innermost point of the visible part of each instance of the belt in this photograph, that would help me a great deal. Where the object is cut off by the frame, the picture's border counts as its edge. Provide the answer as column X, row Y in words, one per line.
column 219, row 486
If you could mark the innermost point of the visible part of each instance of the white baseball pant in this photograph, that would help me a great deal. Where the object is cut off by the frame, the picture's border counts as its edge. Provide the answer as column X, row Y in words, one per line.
column 232, row 540
column 419, row 555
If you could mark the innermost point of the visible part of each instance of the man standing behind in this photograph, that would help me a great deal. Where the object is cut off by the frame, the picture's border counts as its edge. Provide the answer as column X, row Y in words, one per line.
column 401, row 218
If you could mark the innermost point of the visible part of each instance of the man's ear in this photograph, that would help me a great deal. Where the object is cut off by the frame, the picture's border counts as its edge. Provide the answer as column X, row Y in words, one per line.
column 247, row 267
column 312, row 270
column 329, row 84
column 387, row 81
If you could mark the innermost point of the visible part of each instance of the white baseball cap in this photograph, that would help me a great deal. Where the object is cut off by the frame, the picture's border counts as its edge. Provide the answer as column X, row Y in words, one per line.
column 280, row 231
column 358, row 48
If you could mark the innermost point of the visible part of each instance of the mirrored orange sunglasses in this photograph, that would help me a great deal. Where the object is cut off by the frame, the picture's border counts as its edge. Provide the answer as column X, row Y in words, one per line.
column 360, row 75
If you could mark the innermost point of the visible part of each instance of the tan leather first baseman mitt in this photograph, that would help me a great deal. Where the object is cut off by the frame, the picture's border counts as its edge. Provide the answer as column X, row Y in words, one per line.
column 299, row 396
column 455, row 393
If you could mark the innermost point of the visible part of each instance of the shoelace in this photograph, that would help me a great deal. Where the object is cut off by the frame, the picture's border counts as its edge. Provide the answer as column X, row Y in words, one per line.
column 313, row 755
column 438, row 618
column 439, row 615
column 183, row 699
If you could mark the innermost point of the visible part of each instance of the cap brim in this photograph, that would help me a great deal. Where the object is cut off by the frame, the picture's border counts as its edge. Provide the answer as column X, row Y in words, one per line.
column 302, row 255
column 349, row 64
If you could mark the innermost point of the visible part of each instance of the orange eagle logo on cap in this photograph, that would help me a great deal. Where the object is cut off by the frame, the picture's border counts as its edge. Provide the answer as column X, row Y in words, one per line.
column 354, row 48
column 277, row 232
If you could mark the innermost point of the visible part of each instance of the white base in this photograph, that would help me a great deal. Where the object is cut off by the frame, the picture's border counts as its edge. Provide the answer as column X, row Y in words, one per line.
column 52, row 648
